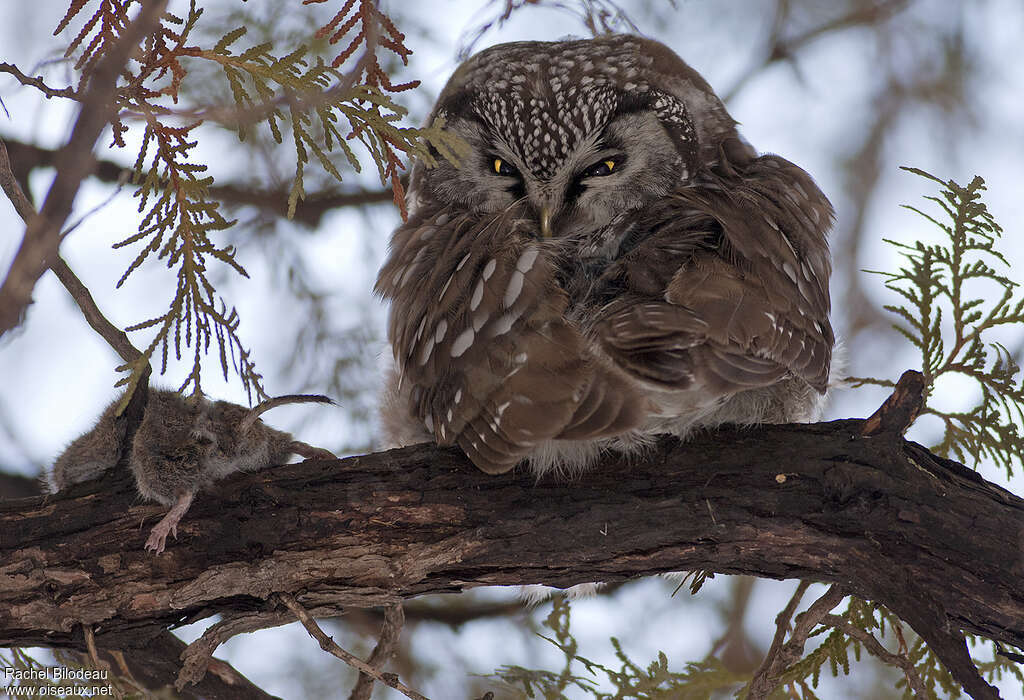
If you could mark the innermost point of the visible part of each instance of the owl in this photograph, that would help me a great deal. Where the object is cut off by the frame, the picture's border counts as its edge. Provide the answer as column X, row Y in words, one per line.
column 609, row 261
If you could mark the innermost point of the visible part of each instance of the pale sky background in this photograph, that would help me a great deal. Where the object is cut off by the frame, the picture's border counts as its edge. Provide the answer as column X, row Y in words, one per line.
column 56, row 374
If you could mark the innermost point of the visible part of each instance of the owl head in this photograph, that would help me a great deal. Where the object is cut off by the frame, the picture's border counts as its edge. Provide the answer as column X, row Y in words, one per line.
column 576, row 134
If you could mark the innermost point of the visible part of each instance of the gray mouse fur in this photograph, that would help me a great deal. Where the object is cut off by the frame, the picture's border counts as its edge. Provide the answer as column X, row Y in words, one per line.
column 181, row 446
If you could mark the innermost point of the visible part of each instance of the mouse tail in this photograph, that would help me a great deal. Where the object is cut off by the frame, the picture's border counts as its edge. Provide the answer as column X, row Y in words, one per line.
column 264, row 406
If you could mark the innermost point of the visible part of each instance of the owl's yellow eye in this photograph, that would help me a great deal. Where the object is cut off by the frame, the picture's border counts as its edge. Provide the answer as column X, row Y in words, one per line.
column 503, row 168
column 605, row 167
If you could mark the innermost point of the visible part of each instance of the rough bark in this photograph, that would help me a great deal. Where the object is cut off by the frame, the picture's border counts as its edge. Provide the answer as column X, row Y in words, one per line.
column 880, row 516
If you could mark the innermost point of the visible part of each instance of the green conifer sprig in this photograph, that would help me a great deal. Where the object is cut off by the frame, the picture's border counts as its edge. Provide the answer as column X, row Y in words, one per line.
column 176, row 226
column 834, row 654
column 948, row 316
column 837, row 651
column 321, row 108
column 322, row 99
column 656, row 680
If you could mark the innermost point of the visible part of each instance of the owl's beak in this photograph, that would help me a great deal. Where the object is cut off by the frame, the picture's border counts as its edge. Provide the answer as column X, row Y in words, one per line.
column 545, row 222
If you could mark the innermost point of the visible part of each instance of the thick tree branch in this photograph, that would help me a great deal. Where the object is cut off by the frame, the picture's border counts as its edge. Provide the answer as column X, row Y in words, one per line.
column 155, row 667
column 42, row 234
column 879, row 516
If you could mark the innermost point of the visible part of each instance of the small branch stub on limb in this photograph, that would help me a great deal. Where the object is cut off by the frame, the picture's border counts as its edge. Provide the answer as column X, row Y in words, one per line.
column 900, row 410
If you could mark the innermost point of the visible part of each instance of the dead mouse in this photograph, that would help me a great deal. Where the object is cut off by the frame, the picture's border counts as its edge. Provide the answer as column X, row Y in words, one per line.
column 182, row 445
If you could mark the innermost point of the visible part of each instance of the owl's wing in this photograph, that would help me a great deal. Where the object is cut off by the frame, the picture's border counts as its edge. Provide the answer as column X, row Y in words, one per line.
column 745, row 302
column 482, row 337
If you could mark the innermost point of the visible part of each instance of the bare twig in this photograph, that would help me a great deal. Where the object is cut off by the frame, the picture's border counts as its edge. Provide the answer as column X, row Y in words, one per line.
column 782, row 627
column 115, row 337
column 256, row 411
column 26, row 157
column 391, row 630
column 90, row 645
column 38, row 83
column 329, row 645
column 781, row 656
column 876, row 649
column 12, row 189
column 42, row 234
column 780, row 49
column 94, row 658
column 93, row 210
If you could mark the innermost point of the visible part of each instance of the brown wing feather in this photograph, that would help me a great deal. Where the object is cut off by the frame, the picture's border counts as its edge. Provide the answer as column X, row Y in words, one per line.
column 745, row 297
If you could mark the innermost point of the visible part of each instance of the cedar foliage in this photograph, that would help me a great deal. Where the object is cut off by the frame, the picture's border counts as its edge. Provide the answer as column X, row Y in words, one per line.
column 946, row 314
column 321, row 107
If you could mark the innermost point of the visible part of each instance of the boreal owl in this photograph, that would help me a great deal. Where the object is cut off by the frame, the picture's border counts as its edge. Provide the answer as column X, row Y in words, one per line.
column 609, row 261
